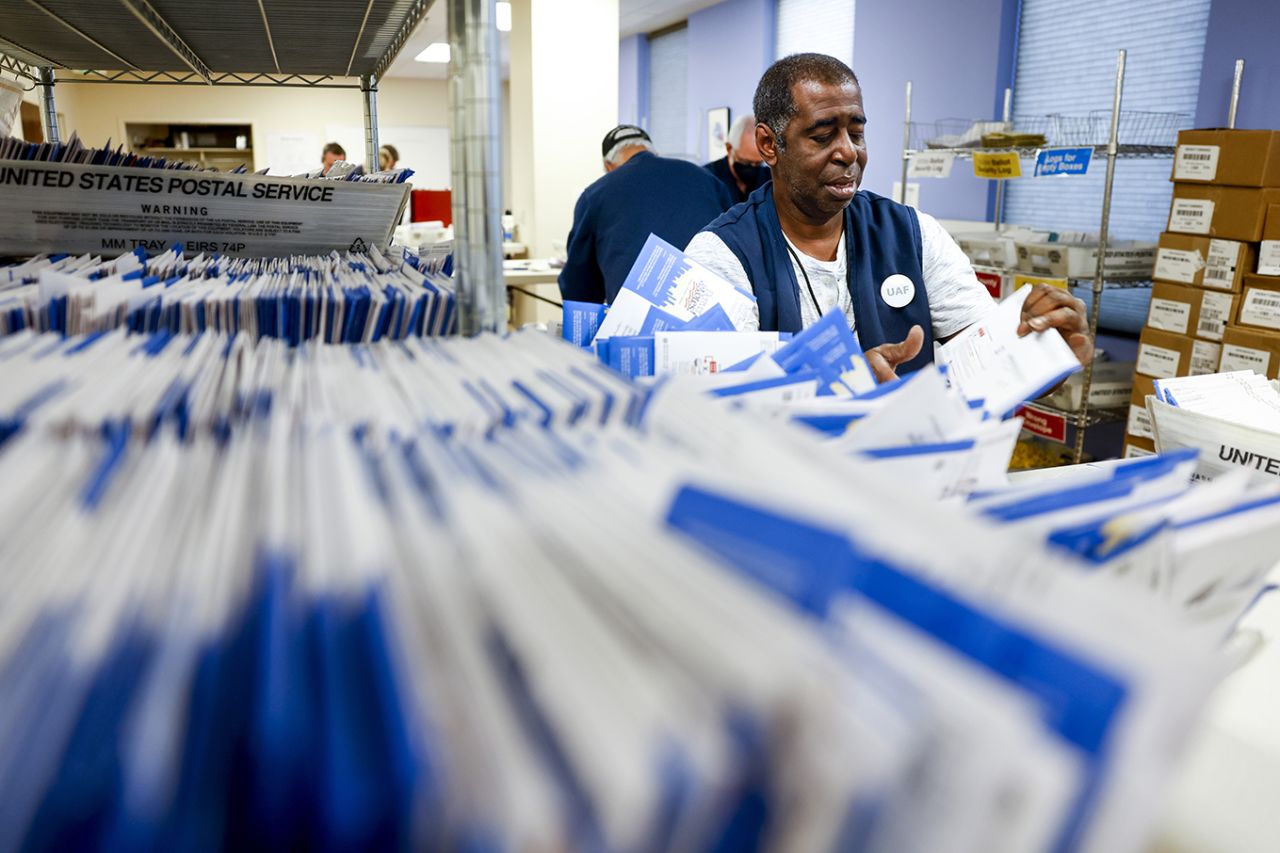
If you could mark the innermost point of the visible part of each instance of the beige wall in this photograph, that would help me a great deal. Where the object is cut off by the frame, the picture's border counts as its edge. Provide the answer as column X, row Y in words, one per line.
column 563, row 100
column 99, row 111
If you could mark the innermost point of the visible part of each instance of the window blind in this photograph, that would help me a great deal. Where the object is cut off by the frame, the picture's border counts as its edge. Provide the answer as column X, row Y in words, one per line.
column 815, row 26
column 668, row 92
column 1066, row 65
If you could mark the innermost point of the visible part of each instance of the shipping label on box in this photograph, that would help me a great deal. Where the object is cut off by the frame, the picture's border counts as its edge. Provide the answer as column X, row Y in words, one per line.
column 1157, row 361
column 1238, row 357
column 1173, row 308
column 1269, row 257
column 1223, row 267
column 1215, row 313
column 1260, row 307
column 1204, row 358
column 1162, row 354
column 1140, row 421
column 1269, row 251
column 1196, row 162
column 1191, row 216
column 1182, row 266
column 1139, row 424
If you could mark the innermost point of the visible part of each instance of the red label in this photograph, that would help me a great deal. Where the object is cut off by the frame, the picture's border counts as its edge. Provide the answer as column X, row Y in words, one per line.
column 1052, row 427
column 991, row 281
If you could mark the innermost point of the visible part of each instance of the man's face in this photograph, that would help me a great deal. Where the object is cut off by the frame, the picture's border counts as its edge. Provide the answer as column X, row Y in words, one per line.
column 329, row 158
column 825, row 154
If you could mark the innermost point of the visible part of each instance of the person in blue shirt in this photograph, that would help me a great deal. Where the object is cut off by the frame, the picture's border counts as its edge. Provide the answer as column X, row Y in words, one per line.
column 741, row 169
column 812, row 241
column 640, row 194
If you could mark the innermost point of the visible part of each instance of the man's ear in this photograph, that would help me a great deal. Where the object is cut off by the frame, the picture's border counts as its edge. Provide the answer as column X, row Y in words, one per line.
column 609, row 167
column 767, row 143
column 728, row 149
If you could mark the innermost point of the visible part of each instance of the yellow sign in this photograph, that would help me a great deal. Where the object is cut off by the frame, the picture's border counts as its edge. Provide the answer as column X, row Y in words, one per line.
column 996, row 164
column 1026, row 280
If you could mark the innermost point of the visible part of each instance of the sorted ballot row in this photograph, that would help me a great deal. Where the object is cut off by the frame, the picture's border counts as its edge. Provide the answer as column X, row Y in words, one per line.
column 447, row 593
column 336, row 298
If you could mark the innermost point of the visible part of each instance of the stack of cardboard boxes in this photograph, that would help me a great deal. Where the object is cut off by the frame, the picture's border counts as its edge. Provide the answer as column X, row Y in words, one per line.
column 1215, row 303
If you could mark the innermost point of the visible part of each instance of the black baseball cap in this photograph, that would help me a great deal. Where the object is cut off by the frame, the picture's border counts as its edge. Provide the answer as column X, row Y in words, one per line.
column 622, row 133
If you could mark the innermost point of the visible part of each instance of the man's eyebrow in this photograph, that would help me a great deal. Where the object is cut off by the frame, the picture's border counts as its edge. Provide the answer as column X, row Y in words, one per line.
column 856, row 118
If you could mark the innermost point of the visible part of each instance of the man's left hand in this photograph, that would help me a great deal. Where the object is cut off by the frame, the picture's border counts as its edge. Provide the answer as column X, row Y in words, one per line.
column 1054, row 308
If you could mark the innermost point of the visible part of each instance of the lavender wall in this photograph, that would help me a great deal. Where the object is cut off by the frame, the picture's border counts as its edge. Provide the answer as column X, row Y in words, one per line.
column 958, row 57
column 1241, row 29
column 730, row 46
column 633, row 81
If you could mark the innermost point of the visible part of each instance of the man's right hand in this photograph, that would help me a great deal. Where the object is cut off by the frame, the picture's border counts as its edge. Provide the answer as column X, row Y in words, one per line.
column 884, row 359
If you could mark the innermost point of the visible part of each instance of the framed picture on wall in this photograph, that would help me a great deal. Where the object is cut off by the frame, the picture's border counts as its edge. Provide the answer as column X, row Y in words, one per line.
column 717, row 131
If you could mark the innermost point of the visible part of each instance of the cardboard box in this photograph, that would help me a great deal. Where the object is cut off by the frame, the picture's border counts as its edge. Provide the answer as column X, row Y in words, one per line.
column 1228, row 213
column 1124, row 259
column 1135, row 447
column 1250, row 349
column 1109, row 388
column 1174, row 308
column 1203, row 261
column 1163, row 354
column 1236, row 158
column 1260, row 303
column 1269, row 251
column 1139, row 424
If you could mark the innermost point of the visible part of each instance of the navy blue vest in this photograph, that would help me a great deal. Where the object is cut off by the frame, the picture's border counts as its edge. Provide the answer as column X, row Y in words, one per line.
column 882, row 237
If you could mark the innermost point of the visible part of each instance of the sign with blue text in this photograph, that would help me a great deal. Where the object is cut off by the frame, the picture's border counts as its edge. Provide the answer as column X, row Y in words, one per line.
column 1063, row 161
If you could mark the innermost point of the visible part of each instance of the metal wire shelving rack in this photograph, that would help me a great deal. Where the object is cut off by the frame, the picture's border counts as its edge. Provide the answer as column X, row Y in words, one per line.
column 1146, row 135
column 294, row 43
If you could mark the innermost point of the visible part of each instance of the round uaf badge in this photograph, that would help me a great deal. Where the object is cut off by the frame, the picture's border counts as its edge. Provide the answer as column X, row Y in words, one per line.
column 898, row 291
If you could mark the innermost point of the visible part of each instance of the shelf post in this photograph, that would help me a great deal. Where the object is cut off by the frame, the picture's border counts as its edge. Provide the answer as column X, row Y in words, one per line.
column 1006, row 117
column 1103, row 226
column 1235, row 94
column 906, row 146
column 48, row 107
column 477, row 193
column 369, row 91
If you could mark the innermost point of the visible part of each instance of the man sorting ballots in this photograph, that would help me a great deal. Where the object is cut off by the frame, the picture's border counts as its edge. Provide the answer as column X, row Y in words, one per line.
column 640, row 194
column 810, row 240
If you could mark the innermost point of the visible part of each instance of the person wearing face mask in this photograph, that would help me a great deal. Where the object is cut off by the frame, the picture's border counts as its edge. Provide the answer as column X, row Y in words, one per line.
column 811, row 241
column 741, row 169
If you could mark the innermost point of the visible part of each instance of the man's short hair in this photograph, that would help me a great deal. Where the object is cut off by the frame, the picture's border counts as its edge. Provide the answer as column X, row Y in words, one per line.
column 622, row 133
column 774, row 103
column 615, row 153
column 335, row 148
column 392, row 150
column 739, row 127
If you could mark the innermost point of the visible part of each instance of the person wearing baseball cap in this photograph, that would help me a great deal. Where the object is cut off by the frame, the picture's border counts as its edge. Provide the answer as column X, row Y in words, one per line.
column 640, row 194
